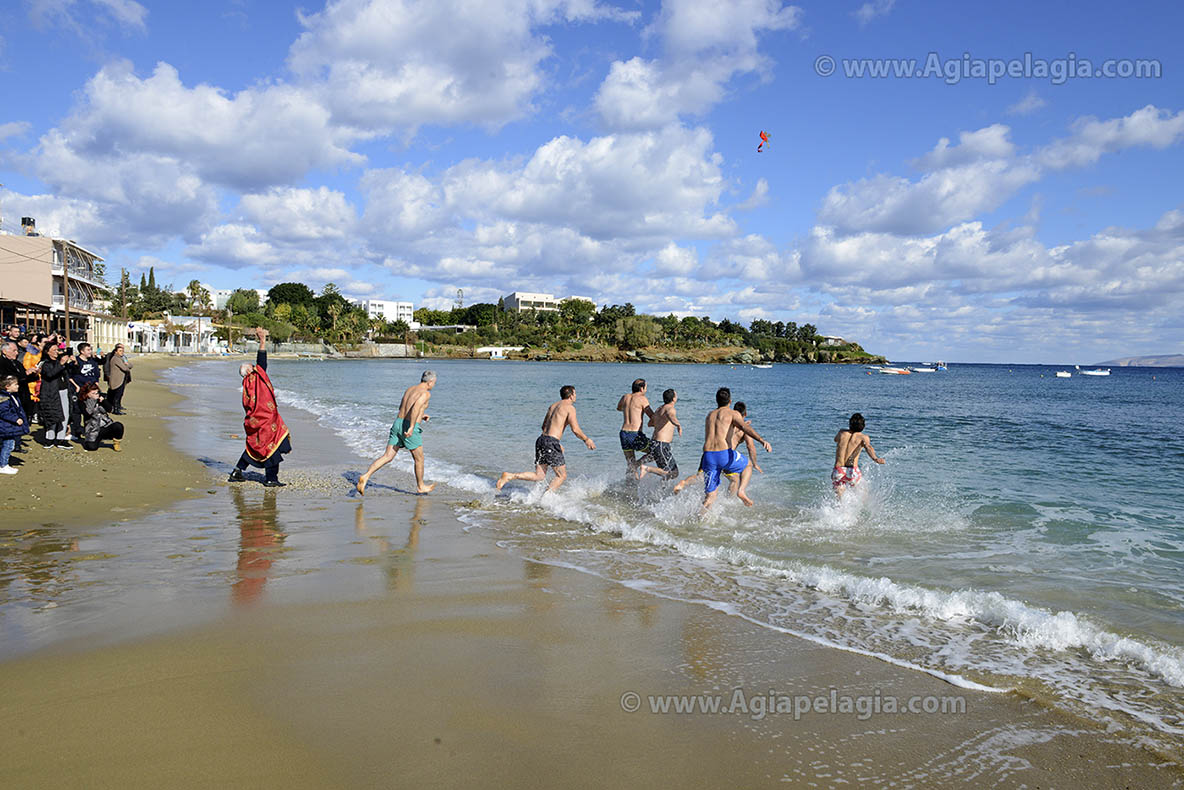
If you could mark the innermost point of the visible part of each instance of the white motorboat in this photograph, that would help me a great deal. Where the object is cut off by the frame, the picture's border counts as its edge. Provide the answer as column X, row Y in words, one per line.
column 923, row 370
column 763, row 365
column 1064, row 374
column 1096, row 372
column 896, row 371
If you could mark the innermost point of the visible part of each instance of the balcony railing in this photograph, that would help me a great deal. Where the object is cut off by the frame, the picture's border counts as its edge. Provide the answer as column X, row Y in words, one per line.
column 77, row 272
column 76, row 303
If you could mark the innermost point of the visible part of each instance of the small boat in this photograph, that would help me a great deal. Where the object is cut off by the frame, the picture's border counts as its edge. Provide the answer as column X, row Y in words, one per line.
column 923, row 370
column 896, row 371
column 763, row 365
column 1096, row 372
column 941, row 366
column 1064, row 374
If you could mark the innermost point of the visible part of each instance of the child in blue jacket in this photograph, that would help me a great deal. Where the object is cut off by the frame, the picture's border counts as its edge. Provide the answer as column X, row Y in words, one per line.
column 13, row 422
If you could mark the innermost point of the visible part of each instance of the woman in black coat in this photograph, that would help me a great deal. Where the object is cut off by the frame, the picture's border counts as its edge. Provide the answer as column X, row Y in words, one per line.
column 53, row 408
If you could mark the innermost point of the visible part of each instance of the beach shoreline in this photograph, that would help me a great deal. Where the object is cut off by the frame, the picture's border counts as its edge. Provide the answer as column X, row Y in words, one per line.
column 332, row 640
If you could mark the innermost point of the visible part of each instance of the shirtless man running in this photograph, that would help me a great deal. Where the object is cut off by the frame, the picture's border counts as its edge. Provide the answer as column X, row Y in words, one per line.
column 634, row 406
column 849, row 444
column 718, row 457
column 548, row 452
column 664, row 421
column 734, row 439
column 406, row 434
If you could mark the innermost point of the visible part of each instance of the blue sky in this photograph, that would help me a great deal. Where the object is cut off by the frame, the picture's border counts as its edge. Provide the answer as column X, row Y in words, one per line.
column 405, row 149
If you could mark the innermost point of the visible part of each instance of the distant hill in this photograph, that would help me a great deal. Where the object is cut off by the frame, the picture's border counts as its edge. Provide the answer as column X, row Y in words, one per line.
column 1161, row 361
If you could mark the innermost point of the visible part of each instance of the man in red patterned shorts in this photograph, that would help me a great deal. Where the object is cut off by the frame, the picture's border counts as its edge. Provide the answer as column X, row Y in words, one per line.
column 850, row 443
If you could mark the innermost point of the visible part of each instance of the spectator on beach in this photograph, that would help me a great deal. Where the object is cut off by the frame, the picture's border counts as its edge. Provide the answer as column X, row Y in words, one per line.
column 118, row 372
column 10, row 365
column 88, row 371
column 99, row 426
column 31, row 360
column 13, row 422
column 54, row 403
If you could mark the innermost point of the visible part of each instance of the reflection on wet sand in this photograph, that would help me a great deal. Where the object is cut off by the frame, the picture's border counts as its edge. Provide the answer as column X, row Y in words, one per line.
column 259, row 536
column 36, row 564
column 705, row 647
column 621, row 601
column 398, row 563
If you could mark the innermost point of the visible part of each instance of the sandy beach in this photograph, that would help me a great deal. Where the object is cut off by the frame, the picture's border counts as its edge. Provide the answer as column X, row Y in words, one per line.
column 78, row 488
column 235, row 636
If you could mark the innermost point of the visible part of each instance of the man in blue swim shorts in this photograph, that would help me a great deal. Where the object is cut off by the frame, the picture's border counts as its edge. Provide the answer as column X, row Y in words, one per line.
column 718, row 458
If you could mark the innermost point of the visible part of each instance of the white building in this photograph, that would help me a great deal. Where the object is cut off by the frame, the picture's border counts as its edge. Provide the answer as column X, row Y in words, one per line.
column 387, row 310
column 178, row 334
column 220, row 296
column 523, row 300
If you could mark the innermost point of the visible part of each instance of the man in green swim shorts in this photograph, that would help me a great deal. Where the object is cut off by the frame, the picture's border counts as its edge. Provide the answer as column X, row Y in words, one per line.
column 406, row 433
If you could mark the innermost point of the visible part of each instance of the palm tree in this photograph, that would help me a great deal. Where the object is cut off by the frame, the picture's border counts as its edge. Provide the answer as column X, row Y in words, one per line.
column 199, row 297
column 334, row 314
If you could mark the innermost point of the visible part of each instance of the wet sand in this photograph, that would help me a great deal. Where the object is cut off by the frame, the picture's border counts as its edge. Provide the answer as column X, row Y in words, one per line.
column 308, row 638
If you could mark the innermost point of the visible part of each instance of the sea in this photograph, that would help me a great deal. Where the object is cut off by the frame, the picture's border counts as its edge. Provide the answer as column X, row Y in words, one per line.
column 1026, row 532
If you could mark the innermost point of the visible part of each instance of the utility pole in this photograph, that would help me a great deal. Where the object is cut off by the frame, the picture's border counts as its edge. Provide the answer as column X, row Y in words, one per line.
column 66, row 290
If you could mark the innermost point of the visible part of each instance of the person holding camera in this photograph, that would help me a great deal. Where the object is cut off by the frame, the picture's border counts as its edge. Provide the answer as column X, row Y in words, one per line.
column 54, row 403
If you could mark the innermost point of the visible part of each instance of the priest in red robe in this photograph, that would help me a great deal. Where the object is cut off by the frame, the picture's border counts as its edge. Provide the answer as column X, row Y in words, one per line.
column 267, row 436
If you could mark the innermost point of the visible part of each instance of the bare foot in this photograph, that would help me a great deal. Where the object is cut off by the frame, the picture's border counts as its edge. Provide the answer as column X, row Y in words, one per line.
column 361, row 486
column 744, row 498
column 680, row 487
column 426, row 488
column 642, row 471
column 501, row 481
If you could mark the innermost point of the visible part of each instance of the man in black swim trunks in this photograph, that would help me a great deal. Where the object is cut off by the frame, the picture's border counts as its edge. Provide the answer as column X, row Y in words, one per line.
column 664, row 423
column 634, row 407
column 548, row 452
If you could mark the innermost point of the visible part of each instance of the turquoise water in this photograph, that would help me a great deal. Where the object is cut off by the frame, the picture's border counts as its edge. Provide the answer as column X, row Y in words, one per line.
column 1026, row 532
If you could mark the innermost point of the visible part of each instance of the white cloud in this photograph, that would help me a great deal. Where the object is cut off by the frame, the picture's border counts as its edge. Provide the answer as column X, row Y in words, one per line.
column 705, row 46
column 13, row 129
column 876, row 8
column 235, row 245
column 401, row 205
column 990, row 142
column 675, row 260
column 897, row 205
column 759, row 196
column 297, row 215
column 139, row 198
column 78, row 15
column 1091, row 138
column 982, row 172
column 256, row 138
column 389, row 64
column 1027, row 105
